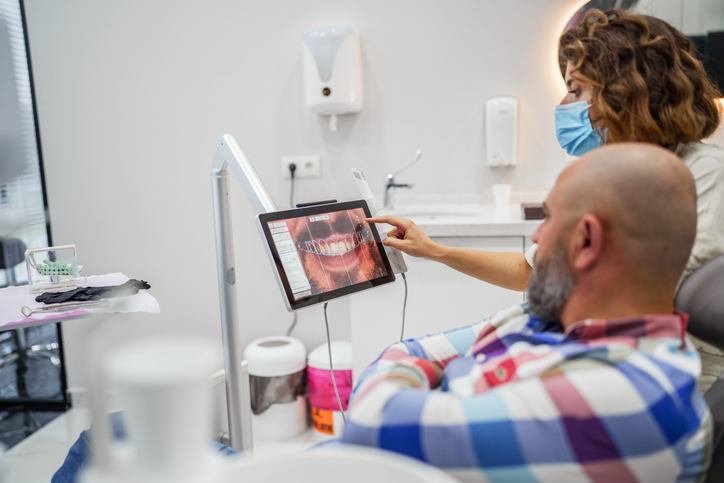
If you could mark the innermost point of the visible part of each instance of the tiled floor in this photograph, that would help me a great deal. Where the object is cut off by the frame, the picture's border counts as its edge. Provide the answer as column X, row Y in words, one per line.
column 38, row 457
column 18, row 424
column 34, row 454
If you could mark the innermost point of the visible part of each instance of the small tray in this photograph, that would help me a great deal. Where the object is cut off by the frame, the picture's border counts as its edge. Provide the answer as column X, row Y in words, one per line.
column 53, row 269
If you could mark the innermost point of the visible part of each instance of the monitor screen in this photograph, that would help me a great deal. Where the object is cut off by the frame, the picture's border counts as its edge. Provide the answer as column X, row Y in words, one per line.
column 326, row 251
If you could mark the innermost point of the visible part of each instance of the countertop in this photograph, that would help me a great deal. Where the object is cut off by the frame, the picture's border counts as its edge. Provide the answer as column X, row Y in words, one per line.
column 467, row 220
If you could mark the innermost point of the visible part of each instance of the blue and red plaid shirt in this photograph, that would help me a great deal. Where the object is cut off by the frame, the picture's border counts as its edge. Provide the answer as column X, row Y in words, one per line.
column 515, row 398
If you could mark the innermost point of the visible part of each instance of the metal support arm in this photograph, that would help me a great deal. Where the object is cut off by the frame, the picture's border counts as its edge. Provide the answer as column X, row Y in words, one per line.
column 238, row 401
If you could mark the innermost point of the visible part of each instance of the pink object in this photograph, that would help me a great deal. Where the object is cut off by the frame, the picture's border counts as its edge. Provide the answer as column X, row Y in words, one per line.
column 321, row 390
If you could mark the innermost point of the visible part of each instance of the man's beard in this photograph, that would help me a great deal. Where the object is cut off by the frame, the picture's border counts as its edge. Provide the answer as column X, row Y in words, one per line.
column 551, row 284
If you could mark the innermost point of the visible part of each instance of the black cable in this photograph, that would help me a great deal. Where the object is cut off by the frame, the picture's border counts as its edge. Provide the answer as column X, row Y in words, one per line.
column 291, row 327
column 331, row 369
column 404, row 307
column 292, row 169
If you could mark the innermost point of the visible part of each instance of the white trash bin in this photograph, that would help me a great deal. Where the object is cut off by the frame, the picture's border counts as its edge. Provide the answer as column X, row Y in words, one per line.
column 277, row 385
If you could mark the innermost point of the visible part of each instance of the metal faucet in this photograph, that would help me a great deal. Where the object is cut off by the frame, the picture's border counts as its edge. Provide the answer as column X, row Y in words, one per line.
column 390, row 184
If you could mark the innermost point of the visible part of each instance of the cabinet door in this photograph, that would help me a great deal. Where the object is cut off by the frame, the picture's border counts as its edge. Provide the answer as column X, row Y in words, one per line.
column 439, row 299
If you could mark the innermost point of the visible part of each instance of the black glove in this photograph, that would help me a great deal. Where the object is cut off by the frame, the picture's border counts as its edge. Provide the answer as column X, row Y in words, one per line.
column 84, row 294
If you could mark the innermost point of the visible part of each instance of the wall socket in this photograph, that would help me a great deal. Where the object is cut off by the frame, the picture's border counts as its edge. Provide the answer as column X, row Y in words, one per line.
column 307, row 167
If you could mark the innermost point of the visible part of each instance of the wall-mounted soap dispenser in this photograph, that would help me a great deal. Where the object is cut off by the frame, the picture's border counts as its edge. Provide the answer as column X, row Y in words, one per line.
column 501, row 130
column 332, row 71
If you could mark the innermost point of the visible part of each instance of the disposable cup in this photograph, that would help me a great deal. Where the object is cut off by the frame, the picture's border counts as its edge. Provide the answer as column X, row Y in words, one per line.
column 501, row 195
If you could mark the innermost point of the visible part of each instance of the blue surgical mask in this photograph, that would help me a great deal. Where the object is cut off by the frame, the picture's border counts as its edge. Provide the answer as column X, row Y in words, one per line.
column 574, row 130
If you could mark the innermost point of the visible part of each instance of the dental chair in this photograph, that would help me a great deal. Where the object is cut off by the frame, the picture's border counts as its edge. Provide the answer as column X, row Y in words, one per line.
column 702, row 297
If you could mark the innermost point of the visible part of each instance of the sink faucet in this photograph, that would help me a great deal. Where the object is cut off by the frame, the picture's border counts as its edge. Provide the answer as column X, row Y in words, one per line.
column 390, row 184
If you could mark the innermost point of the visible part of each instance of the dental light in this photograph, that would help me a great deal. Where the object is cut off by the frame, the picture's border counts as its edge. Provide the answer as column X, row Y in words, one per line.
column 229, row 157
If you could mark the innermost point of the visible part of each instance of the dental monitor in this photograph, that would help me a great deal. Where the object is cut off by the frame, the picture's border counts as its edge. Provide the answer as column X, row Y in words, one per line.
column 323, row 252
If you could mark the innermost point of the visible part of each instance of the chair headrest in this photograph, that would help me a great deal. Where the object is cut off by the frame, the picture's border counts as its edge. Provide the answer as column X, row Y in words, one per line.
column 702, row 297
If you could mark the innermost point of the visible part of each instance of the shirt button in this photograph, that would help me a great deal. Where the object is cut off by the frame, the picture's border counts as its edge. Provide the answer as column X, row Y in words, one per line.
column 480, row 357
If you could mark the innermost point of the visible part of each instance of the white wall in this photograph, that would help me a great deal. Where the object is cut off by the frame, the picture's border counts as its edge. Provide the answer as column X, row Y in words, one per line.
column 132, row 97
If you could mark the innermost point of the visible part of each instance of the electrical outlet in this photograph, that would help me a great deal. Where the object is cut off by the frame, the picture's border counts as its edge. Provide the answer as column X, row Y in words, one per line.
column 307, row 167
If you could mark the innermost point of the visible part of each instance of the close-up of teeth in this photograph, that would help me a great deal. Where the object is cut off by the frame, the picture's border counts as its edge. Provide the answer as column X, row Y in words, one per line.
column 335, row 246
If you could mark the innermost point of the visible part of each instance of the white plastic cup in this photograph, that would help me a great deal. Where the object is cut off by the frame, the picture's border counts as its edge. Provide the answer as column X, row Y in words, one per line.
column 501, row 196
column 165, row 386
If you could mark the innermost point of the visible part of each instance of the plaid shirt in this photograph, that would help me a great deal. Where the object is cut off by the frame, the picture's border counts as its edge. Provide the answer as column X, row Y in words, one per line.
column 520, row 400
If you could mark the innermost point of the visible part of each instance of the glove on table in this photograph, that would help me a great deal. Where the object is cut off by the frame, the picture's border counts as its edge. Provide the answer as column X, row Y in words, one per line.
column 84, row 294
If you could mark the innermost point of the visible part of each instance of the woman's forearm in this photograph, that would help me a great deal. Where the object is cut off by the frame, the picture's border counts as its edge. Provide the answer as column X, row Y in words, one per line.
column 507, row 270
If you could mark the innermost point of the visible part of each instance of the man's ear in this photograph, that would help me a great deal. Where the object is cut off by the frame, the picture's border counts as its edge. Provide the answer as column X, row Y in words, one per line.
column 587, row 242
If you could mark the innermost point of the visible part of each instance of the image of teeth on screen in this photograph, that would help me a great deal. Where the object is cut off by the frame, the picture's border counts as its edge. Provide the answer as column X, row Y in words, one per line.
column 329, row 252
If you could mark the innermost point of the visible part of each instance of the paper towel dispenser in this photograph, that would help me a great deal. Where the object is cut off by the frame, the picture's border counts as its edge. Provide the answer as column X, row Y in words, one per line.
column 332, row 71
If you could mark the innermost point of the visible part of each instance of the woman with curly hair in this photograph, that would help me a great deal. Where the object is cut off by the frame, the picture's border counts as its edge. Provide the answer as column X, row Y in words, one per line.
column 629, row 78
column 636, row 78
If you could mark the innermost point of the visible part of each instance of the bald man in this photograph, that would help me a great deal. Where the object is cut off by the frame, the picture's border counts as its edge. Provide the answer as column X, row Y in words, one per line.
column 593, row 379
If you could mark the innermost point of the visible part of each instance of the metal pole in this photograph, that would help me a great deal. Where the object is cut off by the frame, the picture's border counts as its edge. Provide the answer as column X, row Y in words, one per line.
column 238, row 407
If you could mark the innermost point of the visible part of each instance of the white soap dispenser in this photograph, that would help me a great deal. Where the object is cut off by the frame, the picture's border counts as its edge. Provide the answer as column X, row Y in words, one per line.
column 332, row 71
column 501, row 130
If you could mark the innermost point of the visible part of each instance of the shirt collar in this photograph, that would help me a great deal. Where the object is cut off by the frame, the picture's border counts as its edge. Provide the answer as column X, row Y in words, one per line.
column 649, row 326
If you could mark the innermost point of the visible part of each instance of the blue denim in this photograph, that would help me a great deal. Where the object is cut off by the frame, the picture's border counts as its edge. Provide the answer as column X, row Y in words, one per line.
column 79, row 454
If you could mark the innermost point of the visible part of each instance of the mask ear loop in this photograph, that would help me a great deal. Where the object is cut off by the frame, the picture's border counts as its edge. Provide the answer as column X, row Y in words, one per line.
column 602, row 131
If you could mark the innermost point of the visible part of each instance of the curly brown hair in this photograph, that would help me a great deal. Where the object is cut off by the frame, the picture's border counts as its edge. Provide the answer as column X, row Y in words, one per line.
column 647, row 83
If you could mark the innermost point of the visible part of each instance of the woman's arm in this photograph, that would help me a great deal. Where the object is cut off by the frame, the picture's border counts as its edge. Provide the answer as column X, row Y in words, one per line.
column 507, row 270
